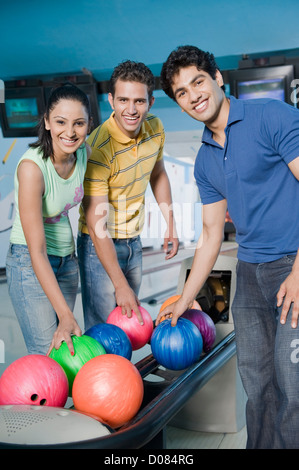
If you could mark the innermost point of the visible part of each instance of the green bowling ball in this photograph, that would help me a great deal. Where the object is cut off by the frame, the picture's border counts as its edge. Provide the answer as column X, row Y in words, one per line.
column 85, row 348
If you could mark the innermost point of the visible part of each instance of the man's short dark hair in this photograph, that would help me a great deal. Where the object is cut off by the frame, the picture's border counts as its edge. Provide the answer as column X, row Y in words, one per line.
column 129, row 71
column 186, row 56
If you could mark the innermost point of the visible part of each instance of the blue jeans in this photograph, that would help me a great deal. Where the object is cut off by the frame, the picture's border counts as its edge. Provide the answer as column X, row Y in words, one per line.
column 98, row 293
column 36, row 316
column 268, row 356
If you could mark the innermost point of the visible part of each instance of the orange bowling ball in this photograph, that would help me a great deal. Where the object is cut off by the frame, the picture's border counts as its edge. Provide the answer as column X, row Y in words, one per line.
column 110, row 388
column 173, row 299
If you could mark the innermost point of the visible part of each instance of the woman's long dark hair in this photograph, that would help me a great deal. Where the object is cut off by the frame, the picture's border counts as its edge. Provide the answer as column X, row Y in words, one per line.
column 68, row 91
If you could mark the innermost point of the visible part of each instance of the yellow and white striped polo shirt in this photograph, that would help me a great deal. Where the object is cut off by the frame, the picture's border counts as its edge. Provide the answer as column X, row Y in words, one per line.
column 121, row 167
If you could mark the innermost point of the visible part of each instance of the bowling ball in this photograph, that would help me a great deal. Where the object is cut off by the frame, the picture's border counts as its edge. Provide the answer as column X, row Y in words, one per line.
column 176, row 347
column 171, row 300
column 85, row 349
column 110, row 388
column 113, row 338
column 138, row 334
column 205, row 325
column 34, row 380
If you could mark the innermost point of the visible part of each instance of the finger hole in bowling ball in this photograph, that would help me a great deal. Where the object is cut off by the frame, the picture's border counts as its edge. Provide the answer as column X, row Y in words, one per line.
column 34, row 397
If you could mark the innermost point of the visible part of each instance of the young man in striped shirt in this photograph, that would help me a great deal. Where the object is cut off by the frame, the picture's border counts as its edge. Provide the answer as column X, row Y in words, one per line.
column 127, row 154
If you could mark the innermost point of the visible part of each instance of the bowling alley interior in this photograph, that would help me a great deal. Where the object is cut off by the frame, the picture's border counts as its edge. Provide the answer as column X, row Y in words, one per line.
column 199, row 405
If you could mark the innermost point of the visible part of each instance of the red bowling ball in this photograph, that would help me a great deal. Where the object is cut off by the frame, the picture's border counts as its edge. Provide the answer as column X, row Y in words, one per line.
column 138, row 334
column 34, row 380
column 110, row 388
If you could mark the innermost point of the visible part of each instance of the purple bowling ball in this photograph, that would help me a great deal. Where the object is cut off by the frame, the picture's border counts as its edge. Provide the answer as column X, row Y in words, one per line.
column 205, row 325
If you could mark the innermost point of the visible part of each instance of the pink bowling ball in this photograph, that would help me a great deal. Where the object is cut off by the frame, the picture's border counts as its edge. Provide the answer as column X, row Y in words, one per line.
column 138, row 334
column 34, row 380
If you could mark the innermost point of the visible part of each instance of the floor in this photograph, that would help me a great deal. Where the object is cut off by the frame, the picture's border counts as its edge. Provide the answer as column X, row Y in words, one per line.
column 159, row 282
column 184, row 439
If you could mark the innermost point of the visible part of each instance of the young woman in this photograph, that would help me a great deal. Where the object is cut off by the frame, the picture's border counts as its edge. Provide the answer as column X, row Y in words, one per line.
column 41, row 268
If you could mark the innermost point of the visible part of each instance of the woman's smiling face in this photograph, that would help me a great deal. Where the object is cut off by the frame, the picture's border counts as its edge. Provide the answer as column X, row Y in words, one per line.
column 68, row 124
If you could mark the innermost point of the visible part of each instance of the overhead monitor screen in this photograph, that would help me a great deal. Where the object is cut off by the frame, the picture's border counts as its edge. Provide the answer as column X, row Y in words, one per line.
column 21, row 112
column 265, row 88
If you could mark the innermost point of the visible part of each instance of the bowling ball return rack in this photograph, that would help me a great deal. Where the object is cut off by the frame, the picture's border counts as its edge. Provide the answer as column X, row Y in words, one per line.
column 162, row 401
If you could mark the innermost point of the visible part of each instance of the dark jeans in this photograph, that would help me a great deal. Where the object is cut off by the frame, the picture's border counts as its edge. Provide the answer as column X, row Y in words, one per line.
column 98, row 293
column 268, row 356
column 36, row 316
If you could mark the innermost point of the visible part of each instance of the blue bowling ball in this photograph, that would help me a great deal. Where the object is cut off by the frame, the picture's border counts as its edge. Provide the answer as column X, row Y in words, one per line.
column 176, row 347
column 112, row 338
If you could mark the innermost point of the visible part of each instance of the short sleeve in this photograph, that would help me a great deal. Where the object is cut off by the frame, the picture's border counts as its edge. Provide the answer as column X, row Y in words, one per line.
column 208, row 193
column 97, row 174
column 281, row 123
column 161, row 151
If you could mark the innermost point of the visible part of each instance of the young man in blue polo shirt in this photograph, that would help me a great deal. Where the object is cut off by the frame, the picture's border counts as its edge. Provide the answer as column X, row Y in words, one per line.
column 248, row 163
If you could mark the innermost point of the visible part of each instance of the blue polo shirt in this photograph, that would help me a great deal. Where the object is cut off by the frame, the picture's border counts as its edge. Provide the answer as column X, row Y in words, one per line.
column 251, row 173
